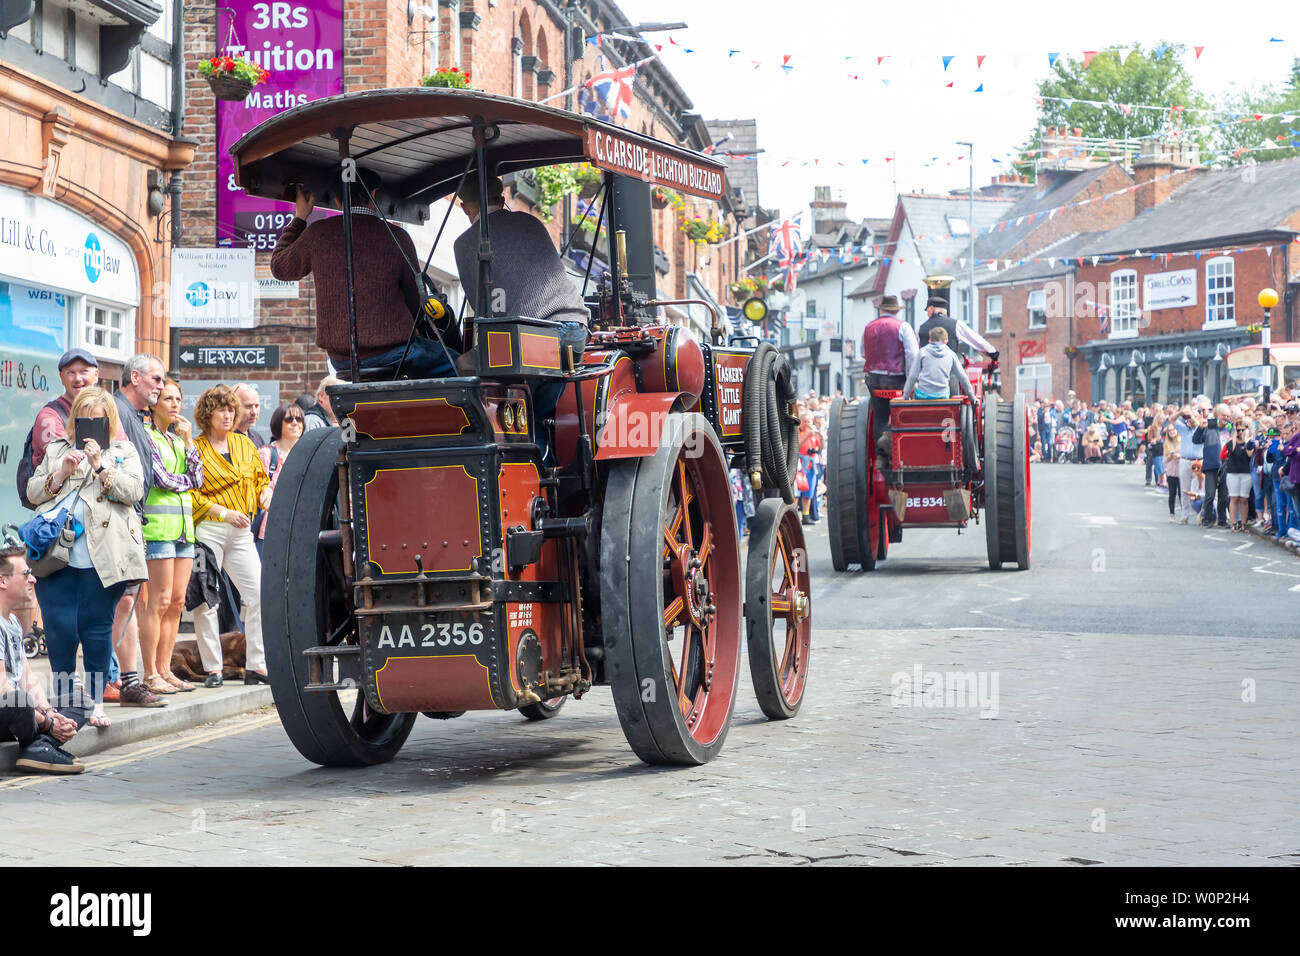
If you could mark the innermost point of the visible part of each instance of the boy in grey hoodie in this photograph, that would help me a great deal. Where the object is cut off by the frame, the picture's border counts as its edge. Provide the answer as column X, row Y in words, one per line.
column 935, row 367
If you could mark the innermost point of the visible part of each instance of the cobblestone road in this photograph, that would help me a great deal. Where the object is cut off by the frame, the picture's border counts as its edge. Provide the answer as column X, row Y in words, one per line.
column 1161, row 744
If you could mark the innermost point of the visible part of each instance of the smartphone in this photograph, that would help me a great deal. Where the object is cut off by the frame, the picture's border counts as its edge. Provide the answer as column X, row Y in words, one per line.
column 96, row 428
column 291, row 192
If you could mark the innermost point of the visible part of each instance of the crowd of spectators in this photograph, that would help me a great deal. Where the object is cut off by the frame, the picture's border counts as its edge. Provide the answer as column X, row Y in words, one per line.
column 147, row 493
column 1234, row 464
column 810, row 478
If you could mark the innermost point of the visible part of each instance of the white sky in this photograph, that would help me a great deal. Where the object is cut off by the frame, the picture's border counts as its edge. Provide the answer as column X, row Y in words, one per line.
column 815, row 110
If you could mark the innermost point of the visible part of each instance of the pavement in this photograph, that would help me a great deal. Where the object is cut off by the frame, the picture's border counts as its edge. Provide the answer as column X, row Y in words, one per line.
column 1132, row 699
column 130, row 724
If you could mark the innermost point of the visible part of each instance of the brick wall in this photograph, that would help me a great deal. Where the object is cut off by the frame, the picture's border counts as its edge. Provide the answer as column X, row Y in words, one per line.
column 1252, row 270
column 1016, row 332
column 1098, row 215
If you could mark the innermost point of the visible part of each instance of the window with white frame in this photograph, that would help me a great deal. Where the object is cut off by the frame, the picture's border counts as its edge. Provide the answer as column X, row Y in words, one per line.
column 993, row 314
column 1034, row 380
column 107, row 330
column 1124, row 312
column 1037, row 306
column 1219, row 297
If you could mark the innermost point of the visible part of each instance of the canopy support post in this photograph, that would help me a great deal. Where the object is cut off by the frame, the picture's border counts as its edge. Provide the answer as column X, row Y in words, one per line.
column 347, row 167
column 484, row 306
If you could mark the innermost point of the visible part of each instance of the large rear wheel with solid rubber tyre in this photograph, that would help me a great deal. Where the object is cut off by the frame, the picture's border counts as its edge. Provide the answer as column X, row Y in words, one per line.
column 305, row 605
column 778, row 608
column 670, row 595
column 1007, row 512
column 847, row 474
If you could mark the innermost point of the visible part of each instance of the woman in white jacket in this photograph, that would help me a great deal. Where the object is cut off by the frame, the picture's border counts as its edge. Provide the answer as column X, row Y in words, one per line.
column 100, row 487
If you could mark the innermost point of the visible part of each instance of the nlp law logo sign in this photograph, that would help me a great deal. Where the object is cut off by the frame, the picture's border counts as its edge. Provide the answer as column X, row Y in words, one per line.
column 213, row 289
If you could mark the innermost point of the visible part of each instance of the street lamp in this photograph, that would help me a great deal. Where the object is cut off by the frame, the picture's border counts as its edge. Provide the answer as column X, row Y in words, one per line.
column 1268, row 299
column 843, row 279
column 970, row 227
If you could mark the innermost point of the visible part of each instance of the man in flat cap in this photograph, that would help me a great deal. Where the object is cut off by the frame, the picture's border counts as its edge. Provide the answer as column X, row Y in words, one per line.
column 936, row 308
column 528, row 279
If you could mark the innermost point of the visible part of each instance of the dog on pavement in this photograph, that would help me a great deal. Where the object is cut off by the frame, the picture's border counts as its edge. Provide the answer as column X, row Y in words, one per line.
column 187, row 665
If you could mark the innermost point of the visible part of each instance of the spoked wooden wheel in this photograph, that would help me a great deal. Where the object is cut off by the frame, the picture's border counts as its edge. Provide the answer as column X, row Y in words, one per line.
column 304, row 605
column 543, row 709
column 778, row 609
column 670, row 595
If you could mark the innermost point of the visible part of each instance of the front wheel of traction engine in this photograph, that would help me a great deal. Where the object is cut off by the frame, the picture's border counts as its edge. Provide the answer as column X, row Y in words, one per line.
column 304, row 605
column 670, row 595
column 778, row 609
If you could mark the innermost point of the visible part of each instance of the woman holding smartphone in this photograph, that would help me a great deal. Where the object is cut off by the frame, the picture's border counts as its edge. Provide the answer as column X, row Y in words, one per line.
column 98, row 481
column 168, row 537
column 1236, row 455
column 234, row 487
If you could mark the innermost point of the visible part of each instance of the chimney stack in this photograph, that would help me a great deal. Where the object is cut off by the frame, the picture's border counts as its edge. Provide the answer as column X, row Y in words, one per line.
column 1153, row 172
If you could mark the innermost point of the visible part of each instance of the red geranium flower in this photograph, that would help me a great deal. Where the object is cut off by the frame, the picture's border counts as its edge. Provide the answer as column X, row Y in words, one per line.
column 454, row 70
column 215, row 61
column 230, row 66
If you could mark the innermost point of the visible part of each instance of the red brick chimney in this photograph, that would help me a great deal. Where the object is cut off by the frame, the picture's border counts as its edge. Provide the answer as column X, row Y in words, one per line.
column 1159, row 171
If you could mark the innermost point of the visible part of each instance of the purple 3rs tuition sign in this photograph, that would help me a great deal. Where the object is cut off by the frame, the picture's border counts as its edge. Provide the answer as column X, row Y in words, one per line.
column 302, row 45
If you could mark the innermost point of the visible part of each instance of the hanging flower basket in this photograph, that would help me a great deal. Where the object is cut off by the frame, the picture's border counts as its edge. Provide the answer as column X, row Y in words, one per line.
column 448, row 77
column 232, row 78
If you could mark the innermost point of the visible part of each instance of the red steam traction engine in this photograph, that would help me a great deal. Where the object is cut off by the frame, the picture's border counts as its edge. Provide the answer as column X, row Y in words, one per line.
column 428, row 556
column 944, row 462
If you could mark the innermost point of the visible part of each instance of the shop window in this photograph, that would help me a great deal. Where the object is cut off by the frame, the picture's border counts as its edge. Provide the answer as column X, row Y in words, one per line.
column 1219, row 297
column 107, row 330
column 993, row 314
column 1191, row 382
column 1124, row 313
column 1038, row 309
column 31, row 317
column 1034, row 380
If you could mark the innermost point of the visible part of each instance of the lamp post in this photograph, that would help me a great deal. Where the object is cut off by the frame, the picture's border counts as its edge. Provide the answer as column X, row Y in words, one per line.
column 1268, row 299
column 843, row 326
column 970, row 227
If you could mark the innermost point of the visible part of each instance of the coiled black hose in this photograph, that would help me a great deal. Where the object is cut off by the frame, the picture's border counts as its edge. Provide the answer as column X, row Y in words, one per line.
column 770, row 428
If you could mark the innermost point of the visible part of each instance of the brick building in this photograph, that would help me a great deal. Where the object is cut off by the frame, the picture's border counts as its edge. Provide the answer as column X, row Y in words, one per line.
column 87, row 159
column 512, row 47
column 1147, row 309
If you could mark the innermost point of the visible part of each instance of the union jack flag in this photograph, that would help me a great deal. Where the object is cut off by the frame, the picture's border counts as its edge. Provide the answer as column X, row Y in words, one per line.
column 785, row 238
column 611, row 93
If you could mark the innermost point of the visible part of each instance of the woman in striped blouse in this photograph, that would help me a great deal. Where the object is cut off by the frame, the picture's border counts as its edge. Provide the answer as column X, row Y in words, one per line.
column 234, row 486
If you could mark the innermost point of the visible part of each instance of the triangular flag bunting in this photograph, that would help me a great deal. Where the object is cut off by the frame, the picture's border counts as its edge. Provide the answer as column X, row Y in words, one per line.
column 946, row 61
column 948, row 85
column 1126, row 109
column 979, row 60
column 879, row 60
column 1088, row 57
column 980, row 88
column 1051, row 59
column 1199, row 50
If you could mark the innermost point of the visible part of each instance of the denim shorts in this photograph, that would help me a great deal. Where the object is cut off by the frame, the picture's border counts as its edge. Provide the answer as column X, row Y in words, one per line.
column 161, row 550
